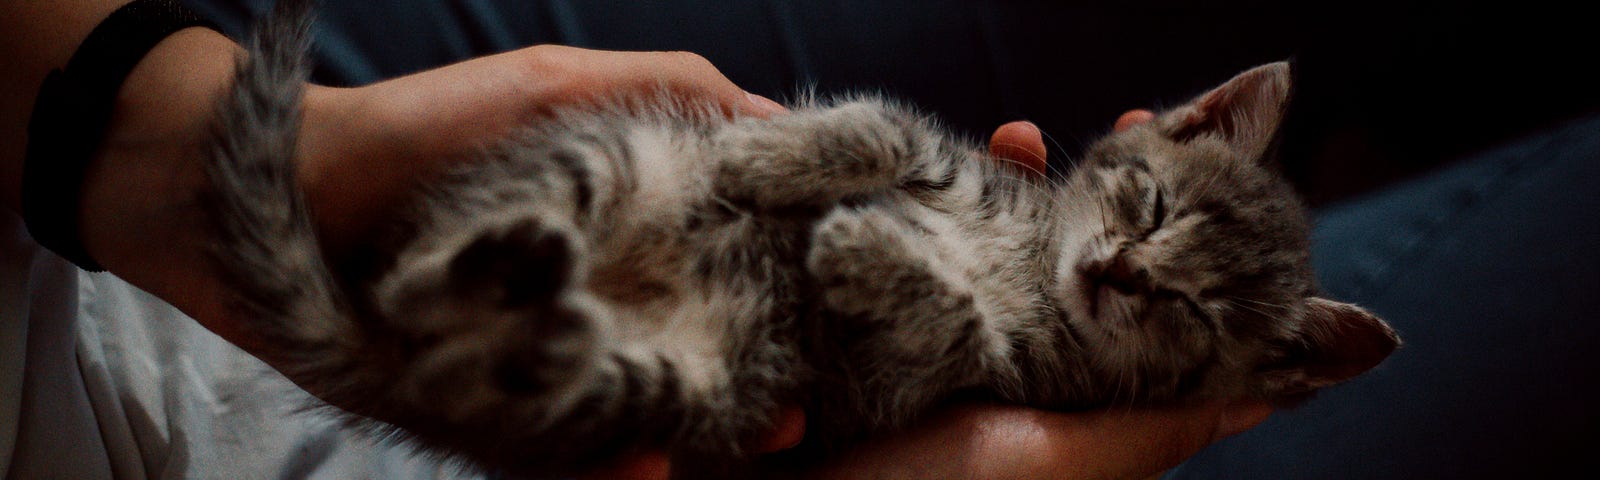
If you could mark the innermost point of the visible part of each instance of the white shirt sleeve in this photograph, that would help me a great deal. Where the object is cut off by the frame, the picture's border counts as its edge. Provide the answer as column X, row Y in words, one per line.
column 101, row 380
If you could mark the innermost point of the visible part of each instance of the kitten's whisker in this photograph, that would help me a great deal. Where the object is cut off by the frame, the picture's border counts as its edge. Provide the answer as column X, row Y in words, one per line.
column 1275, row 318
column 1072, row 162
column 1215, row 178
column 1261, row 303
column 1019, row 147
column 1029, row 185
column 1105, row 222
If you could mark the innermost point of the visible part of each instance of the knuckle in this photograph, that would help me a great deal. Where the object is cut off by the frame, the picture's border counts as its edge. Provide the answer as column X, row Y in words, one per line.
column 543, row 50
column 543, row 57
column 692, row 62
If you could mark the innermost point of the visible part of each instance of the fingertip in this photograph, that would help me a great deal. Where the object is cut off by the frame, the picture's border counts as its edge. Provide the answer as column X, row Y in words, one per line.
column 788, row 429
column 762, row 107
column 1133, row 117
column 1021, row 142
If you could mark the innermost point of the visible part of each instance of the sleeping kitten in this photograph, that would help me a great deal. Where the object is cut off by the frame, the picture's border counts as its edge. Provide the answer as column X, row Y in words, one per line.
column 651, row 273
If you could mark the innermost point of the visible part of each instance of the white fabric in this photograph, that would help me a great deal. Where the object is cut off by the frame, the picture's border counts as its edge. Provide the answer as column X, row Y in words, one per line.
column 101, row 380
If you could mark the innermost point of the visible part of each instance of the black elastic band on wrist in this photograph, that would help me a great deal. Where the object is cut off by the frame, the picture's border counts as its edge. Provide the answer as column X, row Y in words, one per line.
column 72, row 112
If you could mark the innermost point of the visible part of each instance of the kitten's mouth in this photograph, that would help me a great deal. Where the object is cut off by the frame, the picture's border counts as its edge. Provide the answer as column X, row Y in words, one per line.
column 1097, row 295
column 1104, row 284
column 1112, row 305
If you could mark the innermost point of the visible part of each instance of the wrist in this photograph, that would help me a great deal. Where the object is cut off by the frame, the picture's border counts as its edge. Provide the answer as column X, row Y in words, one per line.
column 138, row 215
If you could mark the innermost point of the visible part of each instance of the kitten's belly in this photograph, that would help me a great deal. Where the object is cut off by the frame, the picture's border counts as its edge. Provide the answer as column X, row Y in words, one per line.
column 689, row 281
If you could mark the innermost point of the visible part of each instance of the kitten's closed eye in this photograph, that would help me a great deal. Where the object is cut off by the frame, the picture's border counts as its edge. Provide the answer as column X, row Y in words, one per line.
column 1158, row 212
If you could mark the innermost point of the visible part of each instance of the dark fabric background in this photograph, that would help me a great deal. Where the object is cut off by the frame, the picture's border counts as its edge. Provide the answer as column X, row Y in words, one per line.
column 1387, row 90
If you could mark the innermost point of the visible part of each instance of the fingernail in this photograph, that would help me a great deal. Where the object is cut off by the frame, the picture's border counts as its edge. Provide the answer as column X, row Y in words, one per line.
column 764, row 106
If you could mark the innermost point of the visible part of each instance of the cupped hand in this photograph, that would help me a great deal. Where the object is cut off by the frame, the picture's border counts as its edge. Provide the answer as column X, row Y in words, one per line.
column 365, row 149
column 362, row 151
column 1009, row 442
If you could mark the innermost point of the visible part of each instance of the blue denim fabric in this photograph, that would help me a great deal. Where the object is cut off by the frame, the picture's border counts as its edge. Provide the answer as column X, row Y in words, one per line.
column 1490, row 271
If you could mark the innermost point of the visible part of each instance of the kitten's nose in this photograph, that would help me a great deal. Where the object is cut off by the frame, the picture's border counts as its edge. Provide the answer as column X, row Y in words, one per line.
column 1118, row 273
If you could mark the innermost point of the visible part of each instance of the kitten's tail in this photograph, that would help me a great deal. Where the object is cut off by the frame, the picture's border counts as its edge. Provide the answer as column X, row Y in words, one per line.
column 266, row 248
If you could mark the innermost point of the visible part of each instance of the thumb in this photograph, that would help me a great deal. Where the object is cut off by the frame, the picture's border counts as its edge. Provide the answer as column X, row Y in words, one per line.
column 1020, row 143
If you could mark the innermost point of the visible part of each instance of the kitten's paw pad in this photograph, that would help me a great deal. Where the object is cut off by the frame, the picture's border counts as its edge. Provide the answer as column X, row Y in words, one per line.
column 521, row 264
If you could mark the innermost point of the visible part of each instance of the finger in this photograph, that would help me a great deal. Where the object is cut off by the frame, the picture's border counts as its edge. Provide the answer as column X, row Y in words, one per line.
column 1020, row 143
column 701, row 77
column 692, row 75
column 762, row 106
column 788, row 428
column 639, row 466
column 1131, row 118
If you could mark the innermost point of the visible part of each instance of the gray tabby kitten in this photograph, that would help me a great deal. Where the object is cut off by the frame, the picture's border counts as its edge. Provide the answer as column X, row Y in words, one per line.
column 650, row 273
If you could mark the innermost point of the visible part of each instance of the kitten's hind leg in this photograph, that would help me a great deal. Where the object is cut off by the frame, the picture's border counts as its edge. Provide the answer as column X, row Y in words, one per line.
column 912, row 330
column 493, row 313
column 819, row 156
column 516, row 360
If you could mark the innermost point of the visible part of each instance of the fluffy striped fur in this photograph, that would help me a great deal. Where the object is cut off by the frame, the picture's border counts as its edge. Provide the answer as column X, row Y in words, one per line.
column 649, row 273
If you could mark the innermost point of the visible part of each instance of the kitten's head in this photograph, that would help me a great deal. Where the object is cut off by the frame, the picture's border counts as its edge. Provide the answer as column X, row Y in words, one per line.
column 1189, row 270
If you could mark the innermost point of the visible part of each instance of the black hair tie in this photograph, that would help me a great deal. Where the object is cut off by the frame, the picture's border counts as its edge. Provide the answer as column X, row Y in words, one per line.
column 71, row 114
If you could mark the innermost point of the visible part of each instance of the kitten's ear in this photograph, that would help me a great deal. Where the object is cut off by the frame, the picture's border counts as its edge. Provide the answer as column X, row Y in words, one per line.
column 1244, row 112
column 1337, row 342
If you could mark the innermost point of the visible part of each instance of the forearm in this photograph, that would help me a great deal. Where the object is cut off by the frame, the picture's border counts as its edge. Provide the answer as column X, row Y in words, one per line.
column 136, row 215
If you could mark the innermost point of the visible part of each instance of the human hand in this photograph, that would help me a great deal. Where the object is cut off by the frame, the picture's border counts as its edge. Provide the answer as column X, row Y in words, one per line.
column 361, row 153
column 365, row 149
column 1009, row 442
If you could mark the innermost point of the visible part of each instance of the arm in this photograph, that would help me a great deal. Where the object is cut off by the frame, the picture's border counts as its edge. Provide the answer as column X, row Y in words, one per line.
column 40, row 35
column 362, row 148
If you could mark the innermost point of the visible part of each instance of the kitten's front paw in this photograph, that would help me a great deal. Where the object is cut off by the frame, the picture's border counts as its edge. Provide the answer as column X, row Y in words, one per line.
column 894, row 305
column 866, row 262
